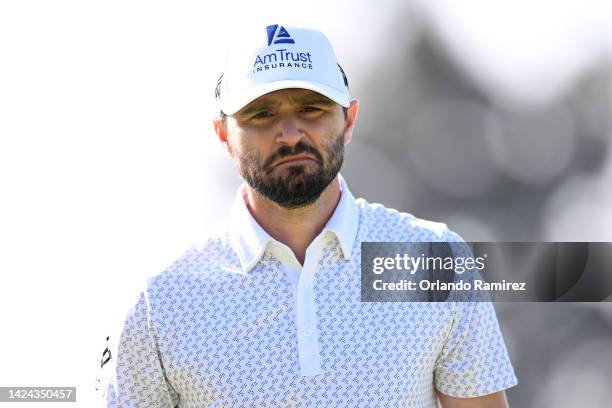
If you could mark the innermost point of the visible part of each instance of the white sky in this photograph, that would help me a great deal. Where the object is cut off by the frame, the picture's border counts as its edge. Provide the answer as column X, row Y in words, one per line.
column 108, row 167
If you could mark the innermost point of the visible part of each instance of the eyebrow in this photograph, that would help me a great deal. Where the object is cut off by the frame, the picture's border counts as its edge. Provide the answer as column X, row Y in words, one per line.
column 258, row 106
column 311, row 99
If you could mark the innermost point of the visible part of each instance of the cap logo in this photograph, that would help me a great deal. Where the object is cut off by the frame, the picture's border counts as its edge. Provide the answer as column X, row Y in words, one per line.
column 278, row 35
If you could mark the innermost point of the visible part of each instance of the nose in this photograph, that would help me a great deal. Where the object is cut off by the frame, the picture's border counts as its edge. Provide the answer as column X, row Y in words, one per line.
column 289, row 131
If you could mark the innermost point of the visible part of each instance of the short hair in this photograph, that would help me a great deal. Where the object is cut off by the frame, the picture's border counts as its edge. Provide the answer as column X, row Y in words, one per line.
column 222, row 115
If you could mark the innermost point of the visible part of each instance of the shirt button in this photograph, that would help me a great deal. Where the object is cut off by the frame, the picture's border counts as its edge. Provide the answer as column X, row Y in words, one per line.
column 308, row 332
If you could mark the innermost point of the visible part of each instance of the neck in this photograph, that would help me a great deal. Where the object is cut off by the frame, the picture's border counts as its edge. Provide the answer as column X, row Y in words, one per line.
column 298, row 227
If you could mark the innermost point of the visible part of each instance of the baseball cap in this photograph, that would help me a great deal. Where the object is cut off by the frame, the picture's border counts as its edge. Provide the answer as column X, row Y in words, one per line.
column 279, row 57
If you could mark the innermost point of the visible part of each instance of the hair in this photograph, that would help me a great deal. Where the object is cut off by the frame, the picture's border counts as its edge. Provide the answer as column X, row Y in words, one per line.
column 223, row 116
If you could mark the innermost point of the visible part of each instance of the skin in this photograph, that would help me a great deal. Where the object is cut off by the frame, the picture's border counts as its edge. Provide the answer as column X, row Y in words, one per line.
column 495, row 400
column 287, row 117
column 284, row 118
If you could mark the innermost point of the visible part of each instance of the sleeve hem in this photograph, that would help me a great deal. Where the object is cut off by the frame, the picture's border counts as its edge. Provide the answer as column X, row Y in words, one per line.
column 480, row 392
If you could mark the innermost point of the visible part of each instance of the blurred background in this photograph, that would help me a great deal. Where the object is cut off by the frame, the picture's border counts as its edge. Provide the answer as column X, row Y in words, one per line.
column 491, row 116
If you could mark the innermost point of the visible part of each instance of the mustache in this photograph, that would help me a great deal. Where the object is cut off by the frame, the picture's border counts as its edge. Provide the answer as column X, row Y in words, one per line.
column 285, row 151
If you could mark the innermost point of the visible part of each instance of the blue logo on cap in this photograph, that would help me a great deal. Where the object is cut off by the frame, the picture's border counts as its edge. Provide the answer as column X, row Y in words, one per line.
column 278, row 35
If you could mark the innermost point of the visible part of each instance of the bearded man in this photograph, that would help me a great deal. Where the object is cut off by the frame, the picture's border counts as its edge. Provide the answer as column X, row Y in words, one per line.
column 267, row 311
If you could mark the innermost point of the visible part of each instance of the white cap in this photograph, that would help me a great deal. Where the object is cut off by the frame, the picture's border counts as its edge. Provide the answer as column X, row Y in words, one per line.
column 279, row 57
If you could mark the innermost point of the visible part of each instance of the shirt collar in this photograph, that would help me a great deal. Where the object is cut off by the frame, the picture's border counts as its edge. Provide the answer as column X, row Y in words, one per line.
column 250, row 239
column 344, row 222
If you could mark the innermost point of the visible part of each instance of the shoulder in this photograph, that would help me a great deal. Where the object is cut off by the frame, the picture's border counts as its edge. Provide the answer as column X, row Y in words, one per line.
column 380, row 223
column 213, row 255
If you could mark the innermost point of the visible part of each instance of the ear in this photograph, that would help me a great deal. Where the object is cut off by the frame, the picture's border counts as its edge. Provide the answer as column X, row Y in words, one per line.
column 221, row 132
column 351, row 118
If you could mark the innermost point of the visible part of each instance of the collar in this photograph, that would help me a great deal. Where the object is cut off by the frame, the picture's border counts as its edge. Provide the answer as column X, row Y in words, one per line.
column 250, row 239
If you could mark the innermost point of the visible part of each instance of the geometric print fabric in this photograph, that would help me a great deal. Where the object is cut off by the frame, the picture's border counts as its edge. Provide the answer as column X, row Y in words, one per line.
column 207, row 333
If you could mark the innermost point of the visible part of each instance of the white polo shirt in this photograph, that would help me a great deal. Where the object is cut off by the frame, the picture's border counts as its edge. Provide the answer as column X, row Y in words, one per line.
column 238, row 322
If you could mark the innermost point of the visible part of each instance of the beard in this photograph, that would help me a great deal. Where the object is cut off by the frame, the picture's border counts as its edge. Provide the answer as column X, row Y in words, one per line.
column 295, row 186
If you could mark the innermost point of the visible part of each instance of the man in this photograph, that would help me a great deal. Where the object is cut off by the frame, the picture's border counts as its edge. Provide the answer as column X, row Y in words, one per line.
column 267, row 312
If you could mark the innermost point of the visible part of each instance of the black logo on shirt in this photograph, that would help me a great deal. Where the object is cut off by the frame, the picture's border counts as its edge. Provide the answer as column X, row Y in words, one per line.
column 106, row 355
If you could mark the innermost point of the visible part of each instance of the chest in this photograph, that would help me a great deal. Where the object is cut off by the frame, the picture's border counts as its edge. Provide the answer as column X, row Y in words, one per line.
column 259, row 340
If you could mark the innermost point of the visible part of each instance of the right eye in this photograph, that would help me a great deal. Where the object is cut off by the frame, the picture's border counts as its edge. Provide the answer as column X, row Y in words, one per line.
column 261, row 115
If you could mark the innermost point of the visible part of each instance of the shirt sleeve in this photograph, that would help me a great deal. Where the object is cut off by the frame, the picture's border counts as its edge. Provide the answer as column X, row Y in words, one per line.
column 474, row 360
column 131, row 370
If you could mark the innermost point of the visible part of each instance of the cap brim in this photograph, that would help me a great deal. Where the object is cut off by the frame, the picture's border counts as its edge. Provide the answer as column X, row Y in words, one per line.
column 229, row 107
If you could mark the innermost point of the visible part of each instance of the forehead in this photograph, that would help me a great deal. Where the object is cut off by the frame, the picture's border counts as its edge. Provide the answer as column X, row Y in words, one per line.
column 292, row 96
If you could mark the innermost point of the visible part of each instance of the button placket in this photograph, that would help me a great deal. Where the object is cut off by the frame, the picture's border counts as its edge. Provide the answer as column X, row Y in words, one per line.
column 308, row 339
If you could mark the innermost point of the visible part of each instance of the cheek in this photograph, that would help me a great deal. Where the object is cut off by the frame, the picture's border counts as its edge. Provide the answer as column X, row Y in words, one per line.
column 237, row 146
column 244, row 142
column 324, row 127
column 331, row 129
column 334, row 124
column 333, row 140
column 245, row 154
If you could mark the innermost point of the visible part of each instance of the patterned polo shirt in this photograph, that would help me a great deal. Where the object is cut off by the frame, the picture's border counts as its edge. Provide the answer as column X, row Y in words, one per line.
column 239, row 322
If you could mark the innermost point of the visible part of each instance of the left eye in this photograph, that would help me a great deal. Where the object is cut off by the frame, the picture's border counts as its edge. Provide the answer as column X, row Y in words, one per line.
column 310, row 109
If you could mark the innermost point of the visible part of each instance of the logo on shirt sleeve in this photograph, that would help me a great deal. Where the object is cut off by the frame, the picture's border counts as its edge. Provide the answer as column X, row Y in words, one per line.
column 105, row 376
column 106, row 354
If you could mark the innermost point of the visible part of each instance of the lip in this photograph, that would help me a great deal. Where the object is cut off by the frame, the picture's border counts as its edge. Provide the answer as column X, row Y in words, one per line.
column 296, row 160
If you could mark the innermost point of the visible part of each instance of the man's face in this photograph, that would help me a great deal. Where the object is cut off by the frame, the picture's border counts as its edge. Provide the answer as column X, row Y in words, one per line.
column 288, row 145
